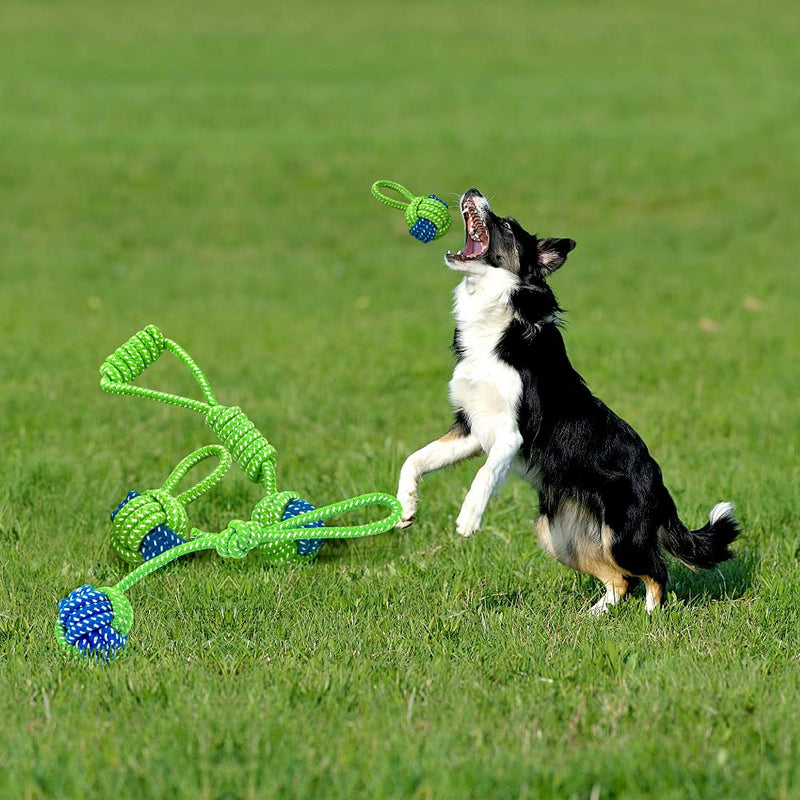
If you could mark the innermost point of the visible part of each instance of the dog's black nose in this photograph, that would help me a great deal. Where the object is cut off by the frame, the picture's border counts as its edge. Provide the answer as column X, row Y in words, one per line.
column 473, row 193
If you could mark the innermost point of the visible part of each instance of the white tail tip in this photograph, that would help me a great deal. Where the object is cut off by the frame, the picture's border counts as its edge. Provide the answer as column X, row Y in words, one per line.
column 720, row 511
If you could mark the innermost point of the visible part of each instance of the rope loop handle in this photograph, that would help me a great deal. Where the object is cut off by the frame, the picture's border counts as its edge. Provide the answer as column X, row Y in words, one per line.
column 191, row 461
column 395, row 187
column 130, row 360
column 254, row 454
column 240, row 537
column 278, row 530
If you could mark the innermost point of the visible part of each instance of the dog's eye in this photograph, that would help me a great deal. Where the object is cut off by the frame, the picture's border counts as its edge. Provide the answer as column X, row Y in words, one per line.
column 506, row 224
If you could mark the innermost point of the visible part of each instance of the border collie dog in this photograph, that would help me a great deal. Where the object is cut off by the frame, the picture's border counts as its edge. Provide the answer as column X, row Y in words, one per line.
column 603, row 506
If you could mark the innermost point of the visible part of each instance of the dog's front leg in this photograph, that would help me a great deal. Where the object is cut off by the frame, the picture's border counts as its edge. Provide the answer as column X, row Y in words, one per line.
column 456, row 445
column 490, row 475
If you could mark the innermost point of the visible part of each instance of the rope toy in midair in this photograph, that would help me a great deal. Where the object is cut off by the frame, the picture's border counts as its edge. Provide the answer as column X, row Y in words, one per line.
column 152, row 529
column 427, row 218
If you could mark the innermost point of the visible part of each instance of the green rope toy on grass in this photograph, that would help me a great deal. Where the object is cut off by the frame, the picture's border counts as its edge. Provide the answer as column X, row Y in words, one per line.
column 427, row 218
column 149, row 528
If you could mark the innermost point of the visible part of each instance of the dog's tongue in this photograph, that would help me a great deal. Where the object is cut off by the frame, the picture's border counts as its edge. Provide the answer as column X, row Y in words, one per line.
column 470, row 247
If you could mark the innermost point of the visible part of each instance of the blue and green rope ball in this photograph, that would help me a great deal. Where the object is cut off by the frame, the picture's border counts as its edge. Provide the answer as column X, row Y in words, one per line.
column 428, row 218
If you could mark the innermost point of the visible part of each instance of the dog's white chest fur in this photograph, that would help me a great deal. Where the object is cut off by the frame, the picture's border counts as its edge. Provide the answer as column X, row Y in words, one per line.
column 486, row 388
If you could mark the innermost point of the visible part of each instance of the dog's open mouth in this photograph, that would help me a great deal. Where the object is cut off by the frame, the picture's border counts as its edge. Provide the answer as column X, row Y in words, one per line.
column 477, row 237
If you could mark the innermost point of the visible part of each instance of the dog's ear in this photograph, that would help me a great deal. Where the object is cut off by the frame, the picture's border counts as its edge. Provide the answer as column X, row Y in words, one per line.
column 553, row 253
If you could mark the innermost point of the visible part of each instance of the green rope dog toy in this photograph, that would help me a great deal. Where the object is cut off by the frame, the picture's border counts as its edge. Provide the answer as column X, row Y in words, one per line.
column 427, row 218
column 145, row 525
column 149, row 528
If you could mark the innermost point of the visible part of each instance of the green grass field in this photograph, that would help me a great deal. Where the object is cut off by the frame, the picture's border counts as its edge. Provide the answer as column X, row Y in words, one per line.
column 207, row 168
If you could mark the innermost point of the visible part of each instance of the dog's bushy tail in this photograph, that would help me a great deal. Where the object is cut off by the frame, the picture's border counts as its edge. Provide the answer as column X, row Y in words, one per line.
column 707, row 546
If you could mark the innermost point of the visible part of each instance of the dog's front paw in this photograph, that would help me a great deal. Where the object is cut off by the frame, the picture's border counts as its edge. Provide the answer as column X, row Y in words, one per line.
column 408, row 501
column 465, row 530
column 467, row 523
column 405, row 522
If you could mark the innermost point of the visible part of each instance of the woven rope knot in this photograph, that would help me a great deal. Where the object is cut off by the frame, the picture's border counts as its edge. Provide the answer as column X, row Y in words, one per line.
column 95, row 622
column 172, row 509
column 280, row 551
column 131, row 359
column 141, row 514
column 252, row 452
column 276, row 546
column 239, row 538
column 270, row 509
column 427, row 218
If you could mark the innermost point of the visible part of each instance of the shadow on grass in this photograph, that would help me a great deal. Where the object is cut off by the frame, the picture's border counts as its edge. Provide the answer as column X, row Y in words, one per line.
column 516, row 597
column 729, row 581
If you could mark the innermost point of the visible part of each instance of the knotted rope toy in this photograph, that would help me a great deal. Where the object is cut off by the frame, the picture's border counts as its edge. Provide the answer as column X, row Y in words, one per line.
column 145, row 525
column 428, row 218
column 152, row 529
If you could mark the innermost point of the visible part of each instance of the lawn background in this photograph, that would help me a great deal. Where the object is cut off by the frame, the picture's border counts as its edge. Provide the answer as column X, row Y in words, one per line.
column 206, row 167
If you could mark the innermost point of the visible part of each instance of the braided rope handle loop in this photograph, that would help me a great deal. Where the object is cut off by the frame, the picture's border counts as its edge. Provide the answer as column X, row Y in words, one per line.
column 130, row 360
column 390, row 201
column 207, row 483
column 254, row 454
column 278, row 530
column 278, row 544
column 277, row 541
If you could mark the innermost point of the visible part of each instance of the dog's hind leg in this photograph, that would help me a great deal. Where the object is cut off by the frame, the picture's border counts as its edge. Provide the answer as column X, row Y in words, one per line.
column 636, row 551
column 654, row 588
column 617, row 586
column 456, row 445
column 575, row 539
